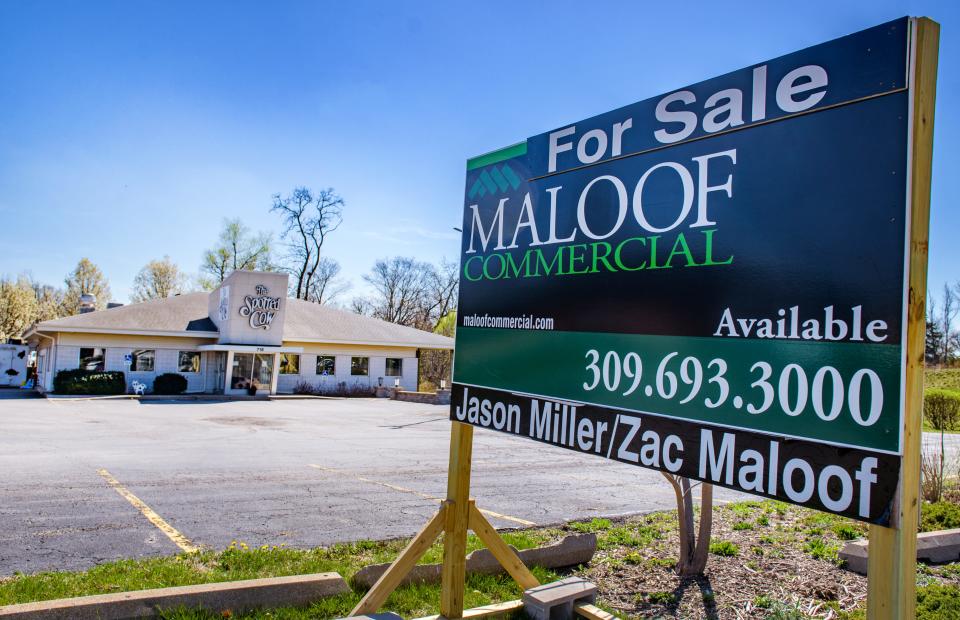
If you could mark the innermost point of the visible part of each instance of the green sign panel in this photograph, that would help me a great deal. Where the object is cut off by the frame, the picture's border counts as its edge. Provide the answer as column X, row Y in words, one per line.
column 709, row 282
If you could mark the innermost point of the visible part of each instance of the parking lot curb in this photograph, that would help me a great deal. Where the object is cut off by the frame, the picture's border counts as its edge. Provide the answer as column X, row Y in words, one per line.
column 235, row 596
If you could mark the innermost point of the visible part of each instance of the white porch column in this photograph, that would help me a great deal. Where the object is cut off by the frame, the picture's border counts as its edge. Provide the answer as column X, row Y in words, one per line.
column 275, row 374
column 228, row 373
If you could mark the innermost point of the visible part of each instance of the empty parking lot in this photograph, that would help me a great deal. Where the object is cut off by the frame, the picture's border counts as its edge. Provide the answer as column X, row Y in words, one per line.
column 89, row 481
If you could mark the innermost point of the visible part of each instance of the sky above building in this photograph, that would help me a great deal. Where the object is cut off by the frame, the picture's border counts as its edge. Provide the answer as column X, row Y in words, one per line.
column 129, row 131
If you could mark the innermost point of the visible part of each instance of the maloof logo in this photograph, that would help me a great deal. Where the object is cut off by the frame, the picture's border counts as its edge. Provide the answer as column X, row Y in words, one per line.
column 661, row 247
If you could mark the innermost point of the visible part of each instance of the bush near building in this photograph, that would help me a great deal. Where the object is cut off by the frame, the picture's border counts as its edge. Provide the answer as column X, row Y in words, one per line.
column 170, row 383
column 87, row 382
column 941, row 408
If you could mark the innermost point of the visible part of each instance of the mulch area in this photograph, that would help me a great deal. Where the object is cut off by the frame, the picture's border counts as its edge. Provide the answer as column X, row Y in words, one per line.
column 785, row 566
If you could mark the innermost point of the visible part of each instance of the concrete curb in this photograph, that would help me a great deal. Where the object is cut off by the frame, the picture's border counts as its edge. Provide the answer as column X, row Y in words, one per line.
column 571, row 551
column 236, row 596
column 933, row 547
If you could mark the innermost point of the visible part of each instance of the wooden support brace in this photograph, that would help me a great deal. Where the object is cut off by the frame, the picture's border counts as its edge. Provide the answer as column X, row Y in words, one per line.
column 454, row 569
column 407, row 559
column 493, row 609
column 500, row 550
column 592, row 612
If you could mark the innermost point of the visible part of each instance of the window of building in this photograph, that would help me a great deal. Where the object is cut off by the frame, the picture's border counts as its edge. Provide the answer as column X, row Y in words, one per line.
column 359, row 366
column 188, row 361
column 394, row 367
column 289, row 364
column 142, row 360
column 326, row 365
column 92, row 358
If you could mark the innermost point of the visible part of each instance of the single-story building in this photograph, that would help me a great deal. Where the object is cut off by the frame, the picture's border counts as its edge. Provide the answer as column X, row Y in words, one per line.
column 246, row 331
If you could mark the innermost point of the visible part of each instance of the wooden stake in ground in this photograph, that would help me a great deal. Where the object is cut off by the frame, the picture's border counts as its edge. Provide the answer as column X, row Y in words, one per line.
column 892, row 560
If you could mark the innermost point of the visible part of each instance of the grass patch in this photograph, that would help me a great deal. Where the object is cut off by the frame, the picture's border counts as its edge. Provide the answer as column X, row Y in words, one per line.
column 939, row 516
column 943, row 379
column 742, row 525
column 724, row 548
column 847, row 531
column 938, row 601
column 592, row 526
column 744, row 509
column 659, row 598
column 819, row 549
column 240, row 562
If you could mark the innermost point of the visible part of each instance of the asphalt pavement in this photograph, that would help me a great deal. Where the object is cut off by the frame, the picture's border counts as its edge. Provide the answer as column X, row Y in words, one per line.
column 90, row 481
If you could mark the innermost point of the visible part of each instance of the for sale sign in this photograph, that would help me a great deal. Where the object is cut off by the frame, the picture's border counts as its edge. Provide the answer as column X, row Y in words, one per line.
column 710, row 282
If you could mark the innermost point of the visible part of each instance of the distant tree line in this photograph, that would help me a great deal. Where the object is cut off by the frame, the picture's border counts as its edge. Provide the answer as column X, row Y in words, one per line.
column 402, row 290
column 943, row 338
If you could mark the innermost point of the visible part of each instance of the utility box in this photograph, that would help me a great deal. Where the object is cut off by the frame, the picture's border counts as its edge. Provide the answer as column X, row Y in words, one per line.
column 13, row 364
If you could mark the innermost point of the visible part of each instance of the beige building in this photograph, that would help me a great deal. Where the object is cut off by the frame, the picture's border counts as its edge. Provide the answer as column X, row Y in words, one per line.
column 245, row 332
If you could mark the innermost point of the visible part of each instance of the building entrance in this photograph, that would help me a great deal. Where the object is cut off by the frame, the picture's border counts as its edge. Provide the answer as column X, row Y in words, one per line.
column 251, row 369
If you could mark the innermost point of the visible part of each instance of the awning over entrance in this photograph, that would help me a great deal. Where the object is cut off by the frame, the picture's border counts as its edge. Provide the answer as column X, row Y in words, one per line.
column 249, row 348
column 241, row 368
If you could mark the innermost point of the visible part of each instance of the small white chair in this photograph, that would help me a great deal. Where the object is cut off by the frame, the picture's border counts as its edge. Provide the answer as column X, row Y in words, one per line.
column 139, row 388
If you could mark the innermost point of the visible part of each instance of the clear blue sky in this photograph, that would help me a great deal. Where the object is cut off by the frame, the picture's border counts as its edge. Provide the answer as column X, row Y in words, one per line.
column 129, row 130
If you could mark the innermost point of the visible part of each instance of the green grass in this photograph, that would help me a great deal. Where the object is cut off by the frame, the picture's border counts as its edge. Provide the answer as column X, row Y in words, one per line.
column 819, row 549
column 595, row 525
column 939, row 516
column 239, row 562
column 724, row 548
column 945, row 379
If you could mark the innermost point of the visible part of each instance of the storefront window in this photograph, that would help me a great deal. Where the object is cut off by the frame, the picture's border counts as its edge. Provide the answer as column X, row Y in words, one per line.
column 142, row 360
column 359, row 366
column 326, row 365
column 91, row 359
column 394, row 367
column 189, row 361
column 242, row 371
column 250, row 369
column 263, row 370
column 289, row 364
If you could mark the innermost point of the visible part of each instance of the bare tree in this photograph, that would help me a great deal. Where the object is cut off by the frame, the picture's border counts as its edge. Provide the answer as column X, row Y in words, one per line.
column 948, row 312
column 402, row 288
column 694, row 546
column 326, row 284
column 307, row 220
column 444, row 287
column 158, row 279
column 85, row 279
column 238, row 248
column 436, row 364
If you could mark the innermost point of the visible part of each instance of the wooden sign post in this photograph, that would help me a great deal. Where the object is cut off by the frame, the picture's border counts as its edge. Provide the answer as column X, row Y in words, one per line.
column 857, row 113
column 892, row 560
column 456, row 515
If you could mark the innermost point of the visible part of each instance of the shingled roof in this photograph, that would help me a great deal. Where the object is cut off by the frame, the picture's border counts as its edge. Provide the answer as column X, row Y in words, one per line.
column 187, row 314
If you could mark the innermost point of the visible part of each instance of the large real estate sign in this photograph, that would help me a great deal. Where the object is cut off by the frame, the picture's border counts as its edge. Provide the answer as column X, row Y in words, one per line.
column 710, row 282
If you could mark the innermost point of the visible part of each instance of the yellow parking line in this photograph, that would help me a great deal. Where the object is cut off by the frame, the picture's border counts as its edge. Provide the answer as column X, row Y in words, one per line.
column 394, row 487
column 178, row 539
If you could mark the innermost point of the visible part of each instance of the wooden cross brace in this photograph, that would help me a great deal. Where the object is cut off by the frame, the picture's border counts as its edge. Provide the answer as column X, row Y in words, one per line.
column 456, row 515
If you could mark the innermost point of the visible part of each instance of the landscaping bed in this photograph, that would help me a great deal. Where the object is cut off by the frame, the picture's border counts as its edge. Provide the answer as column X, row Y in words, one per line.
column 768, row 560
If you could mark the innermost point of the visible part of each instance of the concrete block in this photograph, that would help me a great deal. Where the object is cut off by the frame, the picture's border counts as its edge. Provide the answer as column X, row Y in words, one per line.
column 939, row 547
column 236, row 596
column 555, row 601
column 854, row 553
column 933, row 547
column 573, row 550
